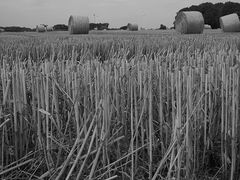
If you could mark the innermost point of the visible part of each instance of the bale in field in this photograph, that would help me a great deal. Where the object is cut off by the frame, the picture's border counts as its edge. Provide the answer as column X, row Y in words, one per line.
column 49, row 28
column 207, row 26
column 1, row 30
column 78, row 25
column 230, row 23
column 190, row 22
column 132, row 27
column 40, row 28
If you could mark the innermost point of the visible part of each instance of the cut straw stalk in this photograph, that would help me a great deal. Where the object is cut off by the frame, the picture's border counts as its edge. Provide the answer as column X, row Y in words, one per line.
column 235, row 88
column 150, row 121
column 4, row 123
column 132, row 129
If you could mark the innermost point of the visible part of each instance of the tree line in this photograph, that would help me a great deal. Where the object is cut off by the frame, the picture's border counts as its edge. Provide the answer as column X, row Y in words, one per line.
column 57, row 27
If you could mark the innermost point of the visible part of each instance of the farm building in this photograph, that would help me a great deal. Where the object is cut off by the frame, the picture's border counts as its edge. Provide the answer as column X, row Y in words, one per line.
column 207, row 26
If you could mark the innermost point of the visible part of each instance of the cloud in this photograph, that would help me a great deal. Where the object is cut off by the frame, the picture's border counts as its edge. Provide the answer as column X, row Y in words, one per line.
column 38, row 2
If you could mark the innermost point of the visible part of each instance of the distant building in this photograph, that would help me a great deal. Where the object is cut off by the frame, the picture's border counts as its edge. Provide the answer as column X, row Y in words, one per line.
column 207, row 26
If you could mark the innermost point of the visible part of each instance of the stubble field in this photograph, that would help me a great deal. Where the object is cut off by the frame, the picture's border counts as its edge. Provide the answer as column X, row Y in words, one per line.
column 120, row 105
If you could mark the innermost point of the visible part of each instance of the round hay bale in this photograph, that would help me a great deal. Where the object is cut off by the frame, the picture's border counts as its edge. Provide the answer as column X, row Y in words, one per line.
column 78, row 25
column 132, row 27
column 230, row 23
column 189, row 22
column 207, row 26
column 40, row 28
column 1, row 30
column 49, row 28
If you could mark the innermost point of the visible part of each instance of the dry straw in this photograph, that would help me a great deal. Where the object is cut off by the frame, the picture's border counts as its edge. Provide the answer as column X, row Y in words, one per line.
column 191, row 22
column 132, row 27
column 230, row 23
column 40, row 28
column 78, row 25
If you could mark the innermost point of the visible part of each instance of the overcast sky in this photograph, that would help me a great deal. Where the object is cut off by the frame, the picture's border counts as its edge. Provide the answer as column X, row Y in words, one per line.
column 146, row 13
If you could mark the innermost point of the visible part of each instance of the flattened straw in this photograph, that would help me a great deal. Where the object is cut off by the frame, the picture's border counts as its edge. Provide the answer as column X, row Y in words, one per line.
column 81, row 149
column 4, row 123
column 88, row 152
column 64, row 166
column 113, row 177
column 15, row 167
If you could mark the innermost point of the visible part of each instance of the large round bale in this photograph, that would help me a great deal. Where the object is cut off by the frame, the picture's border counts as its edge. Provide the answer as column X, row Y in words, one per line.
column 132, row 27
column 49, row 28
column 230, row 23
column 40, row 28
column 189, row 22
column 207, row 26
column 78, row 25
column 1, row 30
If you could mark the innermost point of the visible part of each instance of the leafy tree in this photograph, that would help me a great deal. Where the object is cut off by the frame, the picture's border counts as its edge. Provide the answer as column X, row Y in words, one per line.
column 16, row 29
column 163, row 27
column 60, row 27
column 123, row 28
